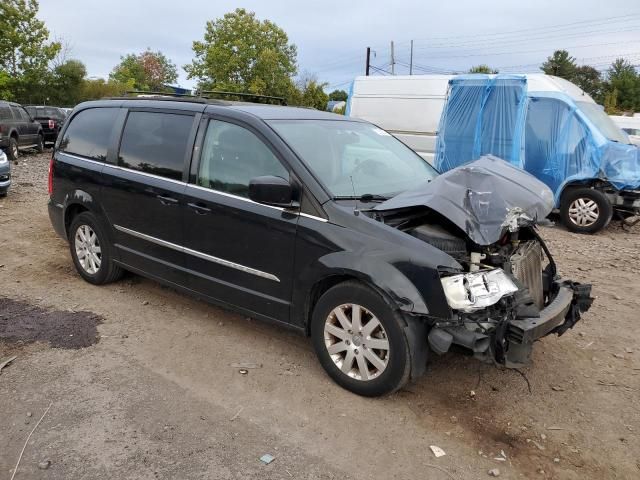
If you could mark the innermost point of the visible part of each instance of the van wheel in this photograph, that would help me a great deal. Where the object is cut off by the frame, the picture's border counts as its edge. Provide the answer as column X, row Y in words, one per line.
column 585, row 210
column 90, row 250
column 360, row 341
column 40, row 144
column 12, row 151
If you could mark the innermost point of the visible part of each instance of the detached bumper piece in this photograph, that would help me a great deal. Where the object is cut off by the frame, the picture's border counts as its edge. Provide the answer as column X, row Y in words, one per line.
column 572, row 299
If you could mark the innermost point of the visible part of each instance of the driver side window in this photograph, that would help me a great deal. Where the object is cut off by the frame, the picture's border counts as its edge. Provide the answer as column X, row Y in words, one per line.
column 232, row 156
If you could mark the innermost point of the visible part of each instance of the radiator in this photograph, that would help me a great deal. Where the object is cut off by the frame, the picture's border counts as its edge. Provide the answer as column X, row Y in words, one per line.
column 526, row 266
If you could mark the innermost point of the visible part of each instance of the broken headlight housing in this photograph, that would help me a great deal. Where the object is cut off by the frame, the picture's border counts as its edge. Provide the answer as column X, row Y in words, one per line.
column 469, row 292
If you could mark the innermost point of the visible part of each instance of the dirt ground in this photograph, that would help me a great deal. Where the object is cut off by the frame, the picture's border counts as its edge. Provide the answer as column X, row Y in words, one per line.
column 157, row 394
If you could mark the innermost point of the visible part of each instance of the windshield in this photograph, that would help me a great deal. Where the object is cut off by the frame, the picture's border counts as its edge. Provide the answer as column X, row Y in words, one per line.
column 353, row 158
column 601, row 120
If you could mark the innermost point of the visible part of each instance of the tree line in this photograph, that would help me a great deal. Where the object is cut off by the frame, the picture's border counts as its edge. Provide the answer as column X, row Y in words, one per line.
column 239, row 53
column 617, row 89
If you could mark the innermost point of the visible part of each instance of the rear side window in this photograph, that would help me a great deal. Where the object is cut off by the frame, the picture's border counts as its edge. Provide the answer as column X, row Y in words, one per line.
column 155, row 143
column 89, row 133
column 5, row 113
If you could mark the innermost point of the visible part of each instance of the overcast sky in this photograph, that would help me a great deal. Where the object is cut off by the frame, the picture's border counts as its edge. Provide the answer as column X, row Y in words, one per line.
column 332, row 36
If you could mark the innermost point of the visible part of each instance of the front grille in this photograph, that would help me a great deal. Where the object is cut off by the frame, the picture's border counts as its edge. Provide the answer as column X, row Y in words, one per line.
column 4, row 178
column 526, row 266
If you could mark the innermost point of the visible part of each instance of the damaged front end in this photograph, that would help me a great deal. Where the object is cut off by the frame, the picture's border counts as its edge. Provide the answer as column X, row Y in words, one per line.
column 508, row 293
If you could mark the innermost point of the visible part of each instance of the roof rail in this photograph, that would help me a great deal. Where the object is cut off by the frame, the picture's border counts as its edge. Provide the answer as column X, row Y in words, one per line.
column 155, row 93
column 245, row 96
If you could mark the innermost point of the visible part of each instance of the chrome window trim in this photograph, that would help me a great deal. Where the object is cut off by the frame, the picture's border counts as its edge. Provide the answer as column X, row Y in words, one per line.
column 195, row 253
column 205, row 189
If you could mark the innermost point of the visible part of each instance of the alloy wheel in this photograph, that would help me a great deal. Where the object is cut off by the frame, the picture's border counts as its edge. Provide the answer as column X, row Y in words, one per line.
column 356, row 342
column 88, row 249
column 584, row 212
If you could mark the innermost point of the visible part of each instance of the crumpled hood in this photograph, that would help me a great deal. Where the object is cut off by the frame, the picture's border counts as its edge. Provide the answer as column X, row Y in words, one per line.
column 483, row 198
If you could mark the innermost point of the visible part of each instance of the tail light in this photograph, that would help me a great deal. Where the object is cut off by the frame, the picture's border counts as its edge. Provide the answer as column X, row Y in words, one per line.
column 52, row 124
column 50, row 182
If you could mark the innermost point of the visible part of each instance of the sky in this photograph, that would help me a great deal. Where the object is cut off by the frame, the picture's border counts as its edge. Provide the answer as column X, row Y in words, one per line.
column 332, row 36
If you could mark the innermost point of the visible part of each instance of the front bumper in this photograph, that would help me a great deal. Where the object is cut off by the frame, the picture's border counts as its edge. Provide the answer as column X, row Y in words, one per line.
column 5, row 177
column 571, row 300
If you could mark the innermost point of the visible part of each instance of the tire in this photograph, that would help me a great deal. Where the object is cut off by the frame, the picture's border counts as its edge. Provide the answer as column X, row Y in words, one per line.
column 12, row 151
column 390, row 368
column 40, row 145
column 81, row 231
column 585, row 210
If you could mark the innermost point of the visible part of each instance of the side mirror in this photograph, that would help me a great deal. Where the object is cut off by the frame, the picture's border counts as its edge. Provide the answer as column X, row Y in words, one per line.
column 270, row 190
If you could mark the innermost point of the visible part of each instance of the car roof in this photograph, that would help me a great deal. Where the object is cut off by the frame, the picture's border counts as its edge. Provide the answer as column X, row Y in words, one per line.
column 262, row 111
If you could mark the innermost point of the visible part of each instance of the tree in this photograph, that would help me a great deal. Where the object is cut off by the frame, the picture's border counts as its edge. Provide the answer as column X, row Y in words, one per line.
column 338, row 96
column 96, row 88
column 560, row 64
column 68, row 80
column 590, row 80
column 623, row 78
column 240, row 53
column 482, row 69
column 149, row 71
column 308, row 92
column 25, row 51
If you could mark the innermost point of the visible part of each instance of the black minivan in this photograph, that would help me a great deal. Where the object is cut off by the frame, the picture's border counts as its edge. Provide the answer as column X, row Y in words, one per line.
column 316, row 221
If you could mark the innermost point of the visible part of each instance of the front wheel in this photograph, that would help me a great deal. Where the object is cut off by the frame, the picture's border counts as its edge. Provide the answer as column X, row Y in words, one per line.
column 585, row 210
column 91, row 251
column 360, row 341
column 40, row 144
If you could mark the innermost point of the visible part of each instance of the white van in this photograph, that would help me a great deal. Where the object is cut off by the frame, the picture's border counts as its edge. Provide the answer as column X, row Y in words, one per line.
column 631, row 125
column 407, row 106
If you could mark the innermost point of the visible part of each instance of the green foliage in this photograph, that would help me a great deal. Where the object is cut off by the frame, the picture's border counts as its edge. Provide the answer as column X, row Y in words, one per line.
column 482, row 69
column 338, row 96
column 590, row 81
column 149, row 71
column 560, row 64
column 94, row 89
column 308, row 92
column 240, row 53
column 25, row 51
column 5, row 86
column 67, row 83
column 611, row 102
column 625, row 81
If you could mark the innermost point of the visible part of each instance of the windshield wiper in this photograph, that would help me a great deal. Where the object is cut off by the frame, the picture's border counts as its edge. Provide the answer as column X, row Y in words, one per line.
column 367, row 197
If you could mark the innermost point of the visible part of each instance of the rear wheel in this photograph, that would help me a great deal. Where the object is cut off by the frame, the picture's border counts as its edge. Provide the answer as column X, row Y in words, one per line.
column 585, row 210
column 91, row 251
column 12, row 151
column 360, row 341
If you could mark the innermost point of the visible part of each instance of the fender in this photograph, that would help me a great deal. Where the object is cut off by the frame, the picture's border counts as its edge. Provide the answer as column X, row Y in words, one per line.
column 81, row 198
column 405, row 283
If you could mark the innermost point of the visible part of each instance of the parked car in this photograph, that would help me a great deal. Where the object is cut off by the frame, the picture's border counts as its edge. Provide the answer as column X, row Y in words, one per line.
column 540, row 123
column 629, row 125
column 5, row 174
column 51, row 119
column 18, row 130
column 318, row 222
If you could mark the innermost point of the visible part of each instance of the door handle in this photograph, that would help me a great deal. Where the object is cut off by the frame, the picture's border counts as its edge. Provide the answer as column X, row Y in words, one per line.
column 166, row 200
column 200, row 208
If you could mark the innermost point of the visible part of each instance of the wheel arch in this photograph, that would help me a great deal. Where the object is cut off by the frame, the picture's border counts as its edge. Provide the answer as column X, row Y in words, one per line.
column 76, row 202
column 398, row 287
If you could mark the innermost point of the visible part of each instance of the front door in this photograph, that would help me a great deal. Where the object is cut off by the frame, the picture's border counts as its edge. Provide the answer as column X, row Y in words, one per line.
column 238, row 251
column 143, row 195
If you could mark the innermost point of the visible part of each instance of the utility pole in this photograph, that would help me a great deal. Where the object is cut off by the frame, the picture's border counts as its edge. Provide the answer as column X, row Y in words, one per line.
column 366, row 68
column 393, row 61
column 411, row 60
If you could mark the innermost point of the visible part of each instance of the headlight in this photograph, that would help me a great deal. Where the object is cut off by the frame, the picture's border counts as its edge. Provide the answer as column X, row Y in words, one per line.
column 3, row 157
column 474, row 291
